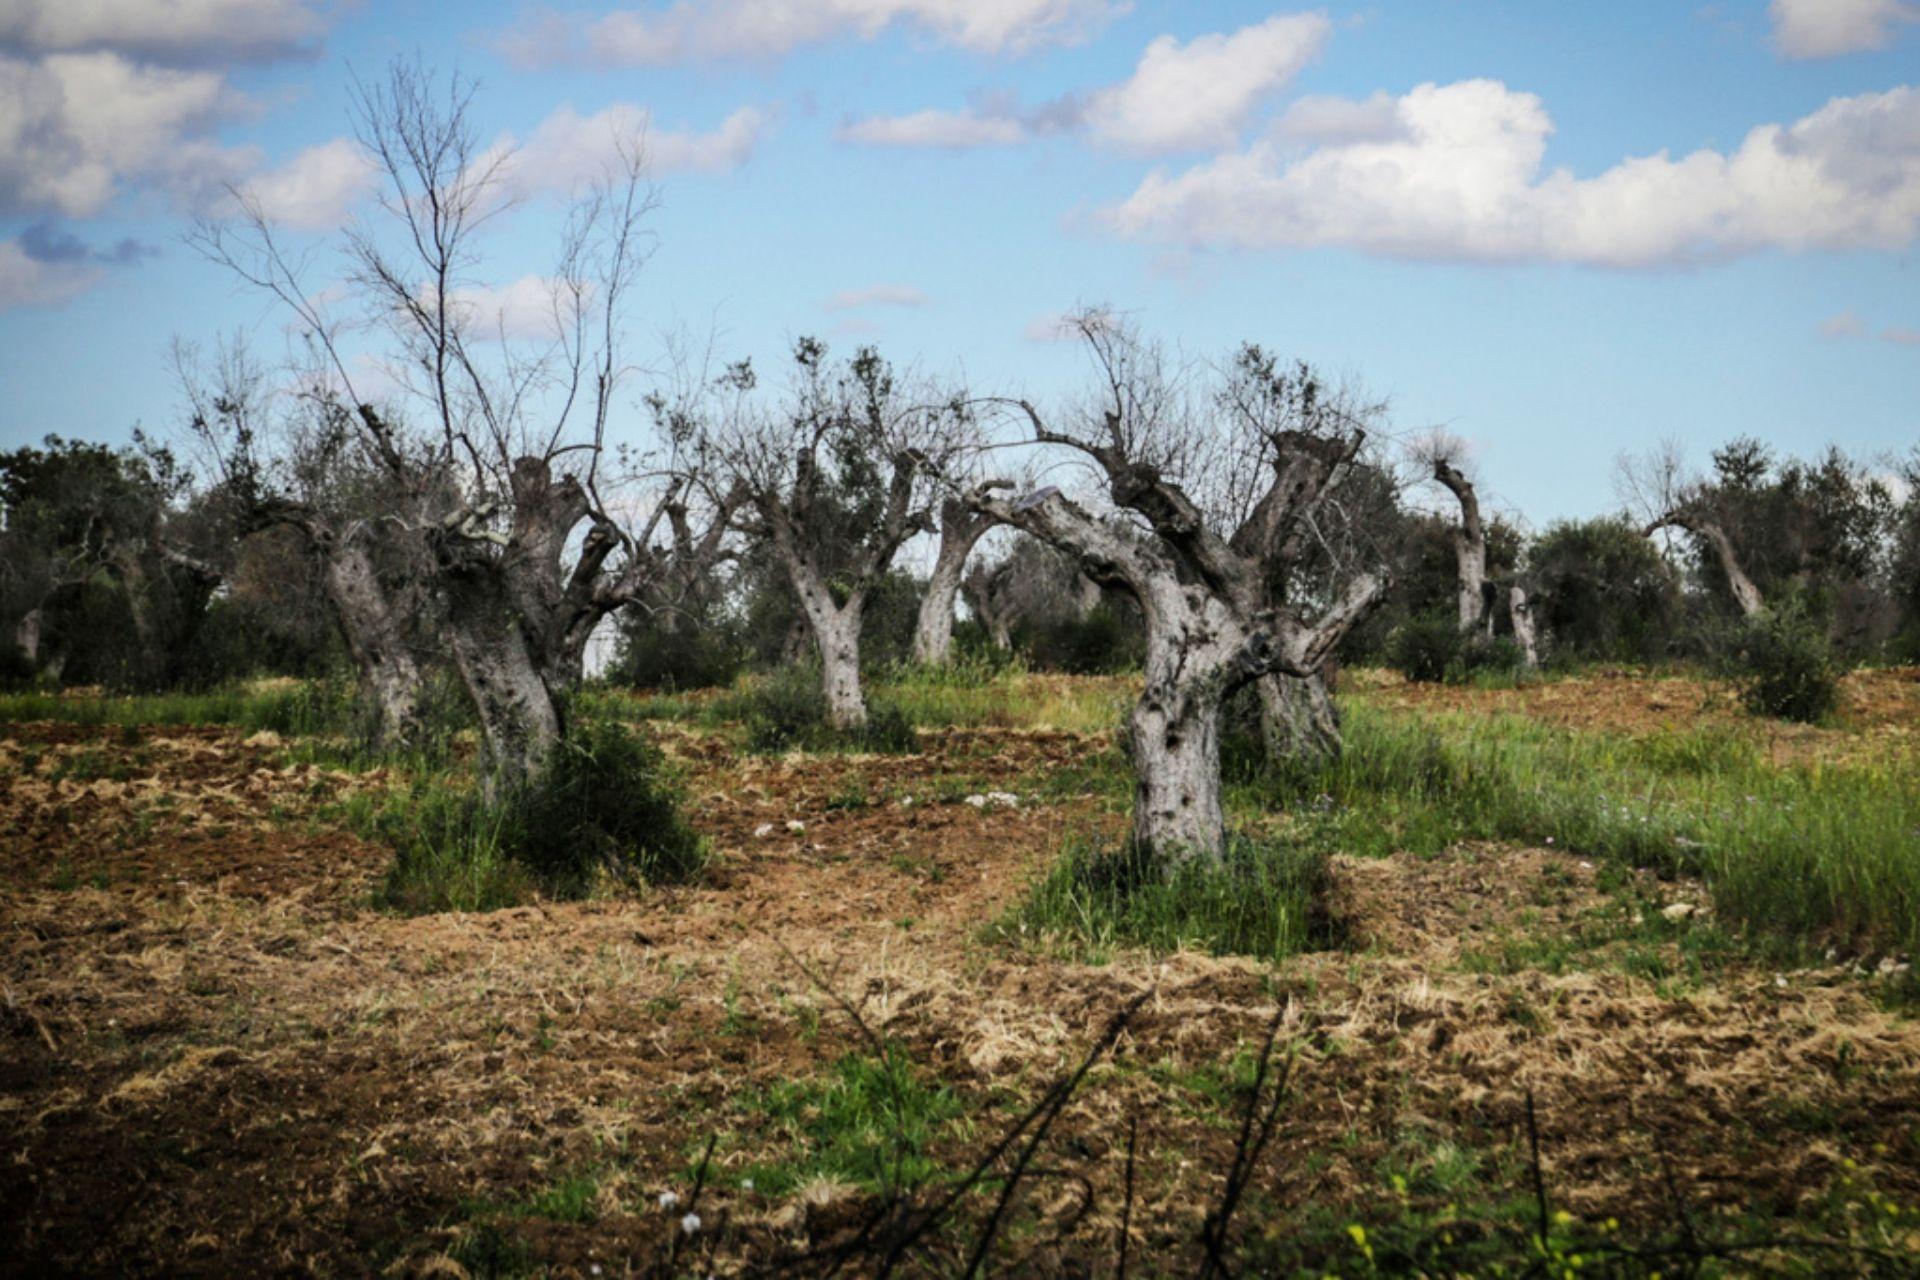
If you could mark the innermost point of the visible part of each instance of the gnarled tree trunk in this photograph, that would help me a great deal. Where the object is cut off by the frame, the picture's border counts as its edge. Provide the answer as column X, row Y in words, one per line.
column 960, row 530
column 1745, row 594
column 520, row 718
column 390, row 679
column 1173, row 737
column 1469, row 549
column 1298, row 720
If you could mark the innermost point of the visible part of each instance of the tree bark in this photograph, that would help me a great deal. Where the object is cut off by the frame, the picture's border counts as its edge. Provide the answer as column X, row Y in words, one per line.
column 390, row 678
column 1174, row 738
column 520, row 718
column 1745, row 593
column 1298, row 720
column 836, row 636
column 960, row 530
column 1525, row 631
column 1469, row 549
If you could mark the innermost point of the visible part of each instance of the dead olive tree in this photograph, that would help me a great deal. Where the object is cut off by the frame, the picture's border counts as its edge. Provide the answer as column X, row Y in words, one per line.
column 961, row 528
column 492, row 439
column 301, row 466
column 1441, row 455
column 835, row 479
column 1228, row 501
column 1666, row 496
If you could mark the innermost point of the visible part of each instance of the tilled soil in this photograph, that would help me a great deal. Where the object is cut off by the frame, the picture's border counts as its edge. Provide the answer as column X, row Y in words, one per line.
column 217, row 1058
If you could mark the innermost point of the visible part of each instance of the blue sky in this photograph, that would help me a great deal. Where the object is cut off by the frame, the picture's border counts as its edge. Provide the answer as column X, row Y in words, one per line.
column 1552, row 229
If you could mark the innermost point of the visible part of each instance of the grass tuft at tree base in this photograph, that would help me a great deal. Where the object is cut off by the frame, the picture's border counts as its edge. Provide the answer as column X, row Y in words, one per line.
column 1263, row 898
column 606, row 809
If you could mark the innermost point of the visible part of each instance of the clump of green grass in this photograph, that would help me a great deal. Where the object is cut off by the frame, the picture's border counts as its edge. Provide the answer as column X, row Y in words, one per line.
column 788, row 712
column 1264, row 898
column 869, row 1122
column 1808, row 852
column 606, row 808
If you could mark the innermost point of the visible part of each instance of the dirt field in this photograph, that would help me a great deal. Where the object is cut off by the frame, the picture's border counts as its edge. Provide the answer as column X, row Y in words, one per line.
column 217, row 1058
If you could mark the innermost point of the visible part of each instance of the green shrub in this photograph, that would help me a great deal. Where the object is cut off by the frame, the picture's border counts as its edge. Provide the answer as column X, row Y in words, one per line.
column 693, row 654
column 788, row 711
column 1785, row 667
column 607, row 803
column 1425, row 648
column 1264, row 898
column 605, row 808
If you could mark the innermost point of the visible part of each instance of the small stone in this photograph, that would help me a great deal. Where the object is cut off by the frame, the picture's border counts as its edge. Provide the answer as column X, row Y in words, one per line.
column 762, row 831
column 1678, row 911
column 796, row 826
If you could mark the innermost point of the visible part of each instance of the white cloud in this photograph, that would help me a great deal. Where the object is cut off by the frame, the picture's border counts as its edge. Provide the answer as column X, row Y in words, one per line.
column 1845, row 325
column 1317, row 118
column 1182, row 97
column 1828, row 28
column 530, row 308
column 1463, row 179
column 316, row 188
column 879, row 295
column 1901, row 337
column 954, row 130
column 687, row 31
column 164, row 30
column 568, row 149
column 74, row 126
column 26, row 281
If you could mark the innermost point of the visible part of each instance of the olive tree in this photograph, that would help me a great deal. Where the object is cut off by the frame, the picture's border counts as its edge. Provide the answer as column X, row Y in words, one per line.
column 1227, row 497
column 835, row 477
column 491, row 445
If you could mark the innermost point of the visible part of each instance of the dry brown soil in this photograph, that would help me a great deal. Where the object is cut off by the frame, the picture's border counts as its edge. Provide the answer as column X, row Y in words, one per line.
column 217, row 1058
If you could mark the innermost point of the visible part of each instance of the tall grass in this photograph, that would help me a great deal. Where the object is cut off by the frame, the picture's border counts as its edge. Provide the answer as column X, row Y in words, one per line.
column 1265, row 899
column 305, row 707
column 1814, row 852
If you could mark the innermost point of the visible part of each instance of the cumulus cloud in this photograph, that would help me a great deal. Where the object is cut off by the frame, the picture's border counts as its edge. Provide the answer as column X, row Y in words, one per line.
column 1183, row 97
column 74, row 127
column 315, row 188
column 162, row 30
column 879, row 295
column 1829, row 28
column 1462, row 178
column 1179, row 97
column 1318, row 118
column 568, row 149
column 708, row 30
column 30, row 281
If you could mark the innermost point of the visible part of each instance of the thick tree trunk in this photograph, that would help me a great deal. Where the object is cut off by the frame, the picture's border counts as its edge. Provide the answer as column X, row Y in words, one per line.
column 390, row 678
column 519, row 716
column 1525, row 633
column 1469, row 549
column 960, row 530
column 1174, row 739
column 1298, row 720
column 933, row 631
column 837, row 634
